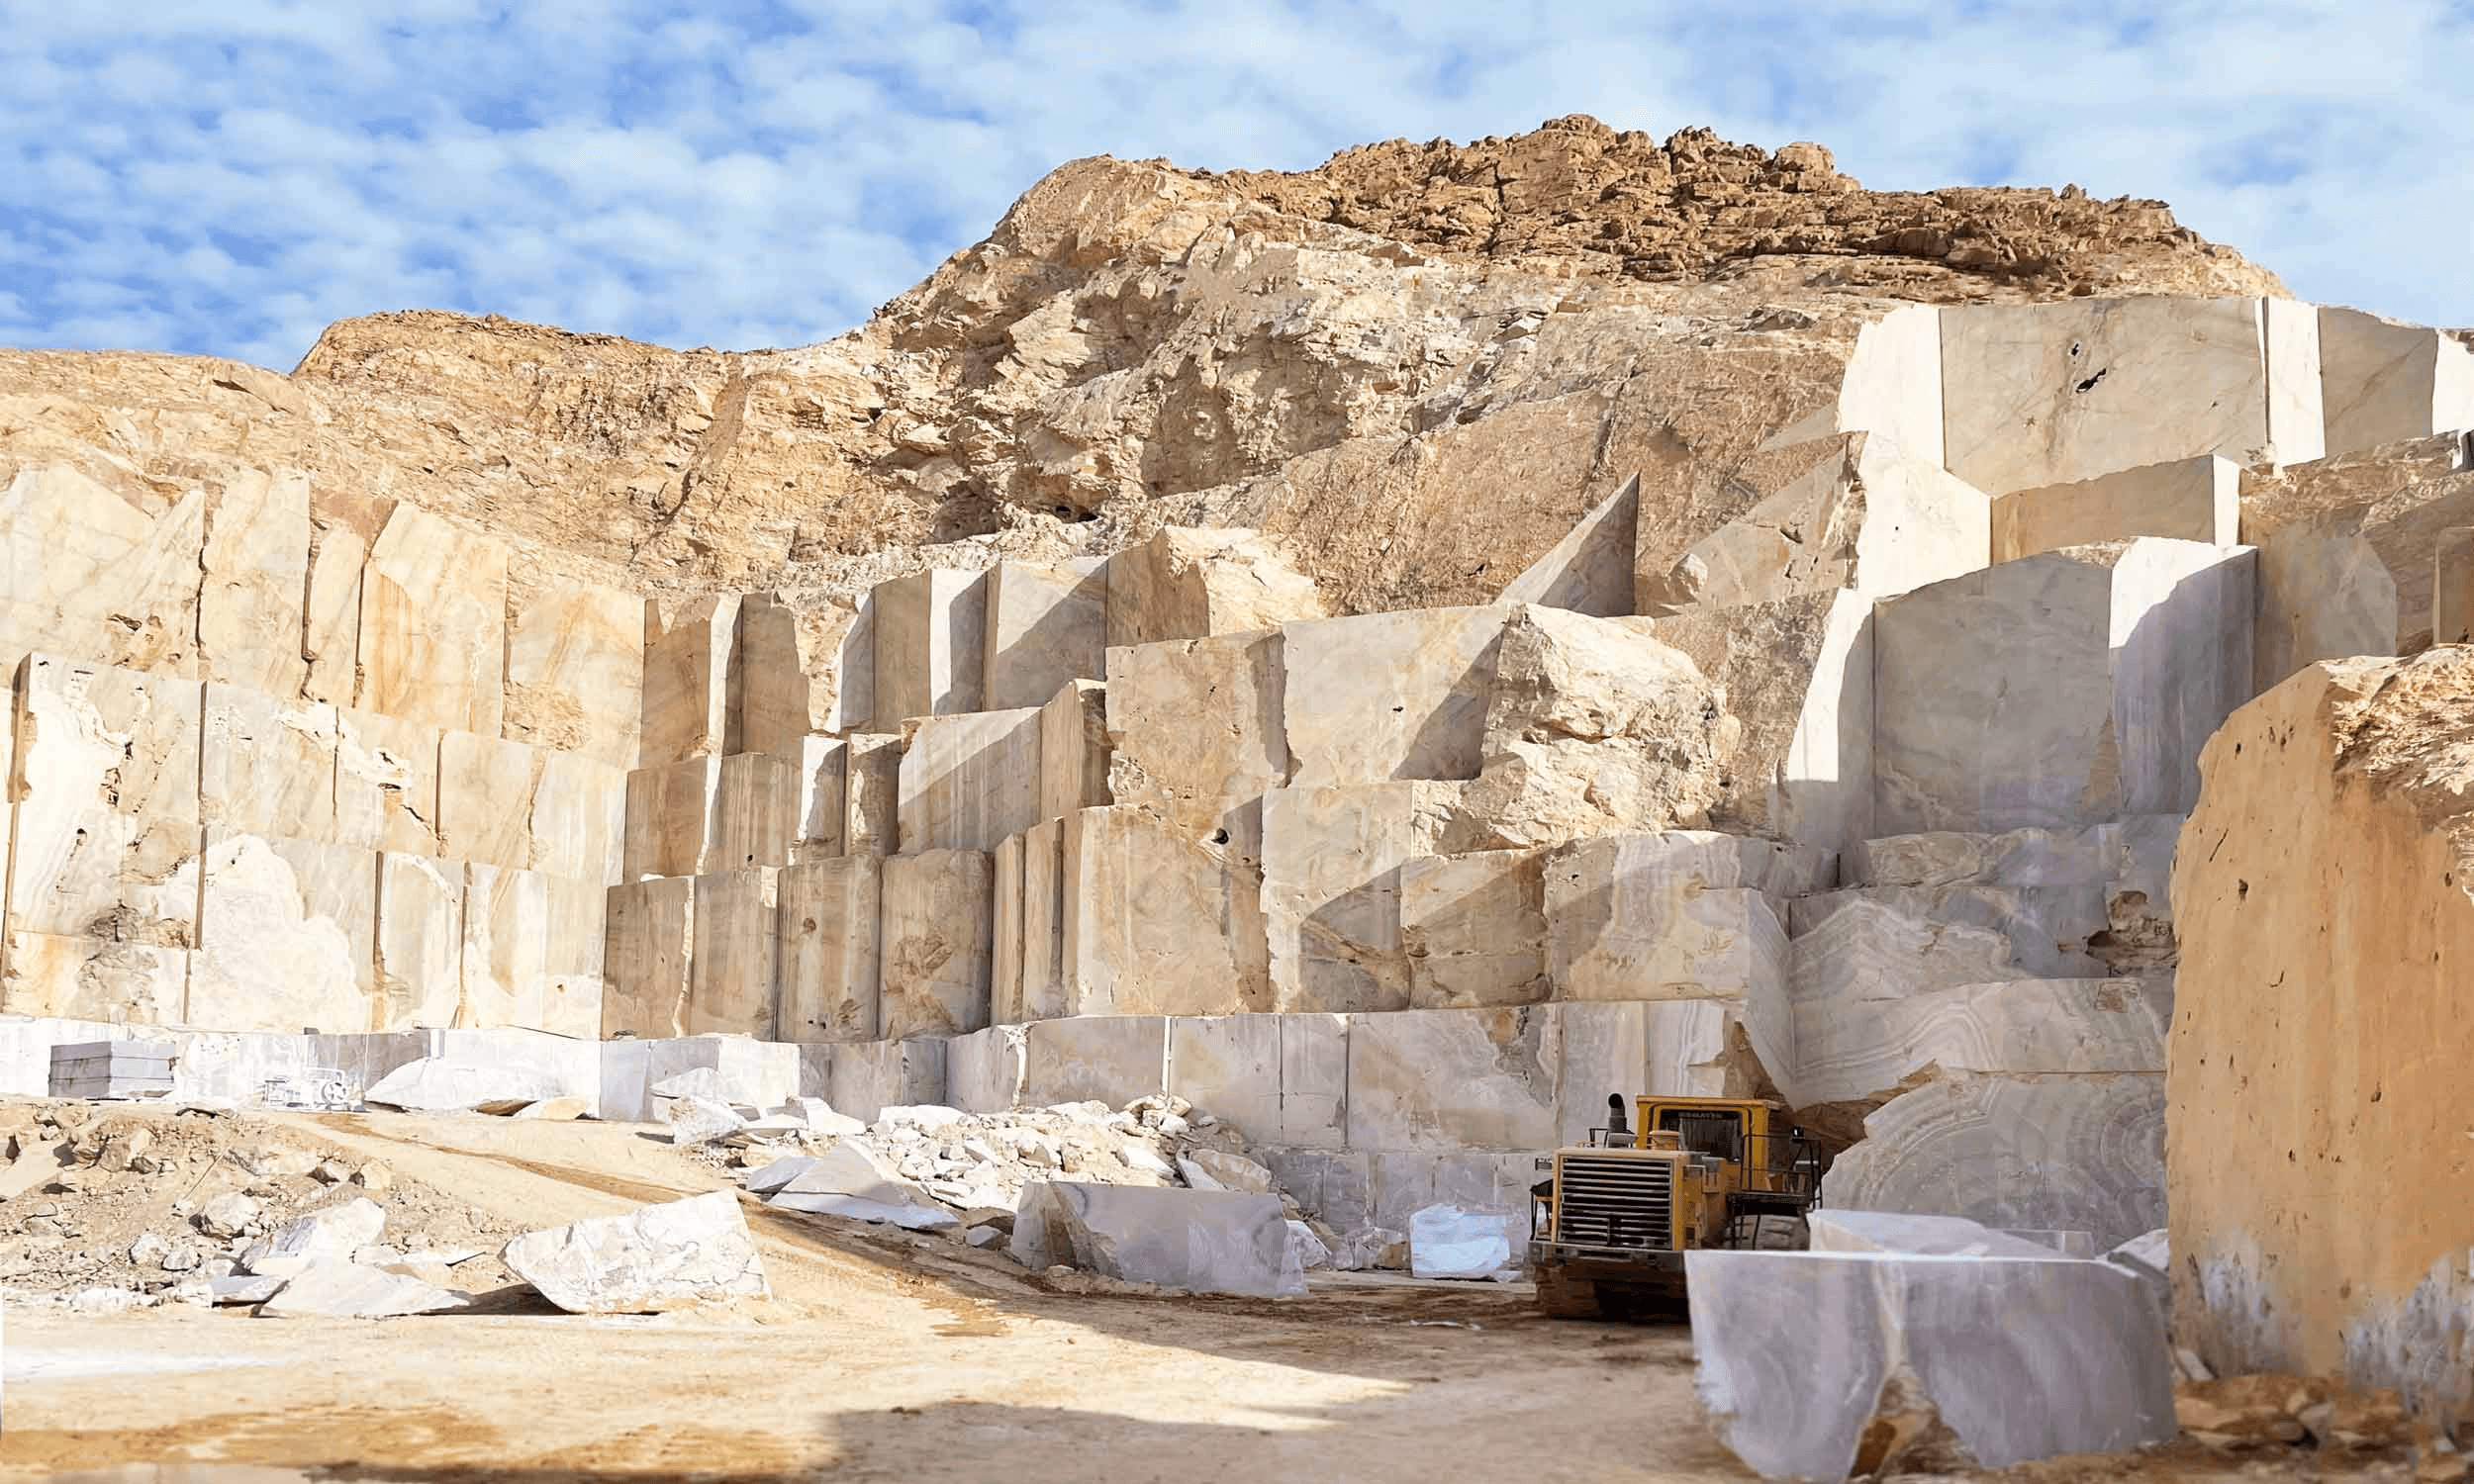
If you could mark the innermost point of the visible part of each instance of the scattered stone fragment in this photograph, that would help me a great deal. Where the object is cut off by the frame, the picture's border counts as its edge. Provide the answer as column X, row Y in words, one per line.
column 822, row 1119
column 1231, row 1171
column 2249, row 1410
column 377, row 1180
column 147, row 1249
column 694, row 1120
column 1369, row 1248
column 1139, row 1156
column 922, row 1116
column 1305, row 1249
column 334, row 1289
column 266, row 1161
column 440, row 1084
column 330, row 1172
column 229, row 1215
column 696, row 1081
column 656, row 1258
column 334, row 1234
column 1448, row 1242
column 919, row 1216
column 182, row 1256
column 245, row 1289
column 554, row 1110
column 122, row 1150
column 103, row 1301
column 777, row 1174
column 984, row 1237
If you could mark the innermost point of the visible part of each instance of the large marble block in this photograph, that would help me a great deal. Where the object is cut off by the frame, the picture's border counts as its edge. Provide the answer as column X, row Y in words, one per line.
column 1110, row 1059
column 1280, row 1079
column 386, row 781
column 2046, row 1153
column 1076, row 754
column 1047, row 627
column 1454, row 1080
column 1865, row 1051
column 1867, row 942
column 1592, row 726
column 2047, row 393
column 969, row 781
column 1826, row 1365
column 96, row 570
column 1192, row 1240
column 756, row 798
column 2190, row 500
column 734, row 986
column 1799, row 679
column 931, row 633
column 342, row 524
column 1004, row 988
column 1198, row 734
column 507, row 948
column 829, row 953
column 1590, row 570
column 1660, row 917
column 1385, row 696
column 432, row 642
column 98, row 737
column 869, row 1077
column 267, row 767
column 575, row 967
column 823, row 807
column 649, row 956
column 936, row 910
column 692, row 679
column 419, row 942
column 1678, row 1048
column 254, row 579
column 671, row 811
column 2382, row 381
column 287, row 936
column 1861, row 515
column 1188, row 584
column 1474, row 928
column 1331, row 889
column 485, row 800
column 984, row 1071
column 872, row 794
column 2452, row 587
column 575, row 824
column 575, row 668
column 110, row 979
column 1045, row 987
column 1157, row 922
column 793, row 658
column 2181, row 632
column 2325, row 593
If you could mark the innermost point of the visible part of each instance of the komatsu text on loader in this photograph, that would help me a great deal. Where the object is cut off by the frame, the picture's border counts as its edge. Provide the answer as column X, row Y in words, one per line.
column 1614, row 1219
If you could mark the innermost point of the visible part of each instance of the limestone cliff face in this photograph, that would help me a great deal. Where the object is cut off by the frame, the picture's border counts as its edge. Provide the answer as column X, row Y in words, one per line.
column 1420, row 364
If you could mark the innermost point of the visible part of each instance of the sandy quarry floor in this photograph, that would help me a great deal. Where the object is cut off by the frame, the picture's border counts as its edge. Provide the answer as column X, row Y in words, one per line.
column 892, row 1359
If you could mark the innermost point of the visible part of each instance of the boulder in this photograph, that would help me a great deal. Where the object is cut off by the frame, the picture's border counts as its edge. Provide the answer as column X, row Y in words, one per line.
column 852, row 1181
column 332, row 1289
column 244, row 1290
column 331, row 1235
column 1452, row 1242
column 656, row 1258
column 1202, row 1241
column 229, row 1214
column 1305, row 1250
column 1826, row 1365
column 1231, row 1171
column 694, row 1120
column 1371, row 1247
column 441, row 1084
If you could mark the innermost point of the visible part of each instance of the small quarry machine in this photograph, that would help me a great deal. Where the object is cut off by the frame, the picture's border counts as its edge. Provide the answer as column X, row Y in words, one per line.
column 1613, row 1220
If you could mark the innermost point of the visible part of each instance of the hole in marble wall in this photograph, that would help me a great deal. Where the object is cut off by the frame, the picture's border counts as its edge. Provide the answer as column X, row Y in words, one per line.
column 2090, row 384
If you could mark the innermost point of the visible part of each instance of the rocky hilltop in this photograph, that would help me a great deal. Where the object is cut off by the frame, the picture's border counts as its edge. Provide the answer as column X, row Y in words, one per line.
column 1419, row 362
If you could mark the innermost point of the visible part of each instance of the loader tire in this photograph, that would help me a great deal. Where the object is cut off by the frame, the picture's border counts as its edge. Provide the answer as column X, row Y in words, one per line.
column 1564, row 1297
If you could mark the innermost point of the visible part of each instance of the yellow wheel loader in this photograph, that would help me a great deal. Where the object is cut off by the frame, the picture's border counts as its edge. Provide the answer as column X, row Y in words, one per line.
column 1613, row 1220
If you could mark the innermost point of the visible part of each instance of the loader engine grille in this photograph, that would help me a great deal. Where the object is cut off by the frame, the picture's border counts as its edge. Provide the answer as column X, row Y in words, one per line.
column 1615, row 1202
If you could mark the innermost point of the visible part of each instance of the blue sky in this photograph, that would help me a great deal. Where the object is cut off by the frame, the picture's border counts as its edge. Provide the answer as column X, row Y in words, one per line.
column 230, row 175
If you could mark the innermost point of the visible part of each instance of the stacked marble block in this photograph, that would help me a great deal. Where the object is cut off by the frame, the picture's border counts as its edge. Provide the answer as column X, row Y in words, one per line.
column 343, row 773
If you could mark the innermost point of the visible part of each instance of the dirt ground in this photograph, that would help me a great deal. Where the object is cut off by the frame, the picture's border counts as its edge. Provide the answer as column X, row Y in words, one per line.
column 880, row 1357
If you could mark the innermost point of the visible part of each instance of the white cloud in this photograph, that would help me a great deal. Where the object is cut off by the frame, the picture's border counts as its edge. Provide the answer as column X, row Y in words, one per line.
column 228, row 178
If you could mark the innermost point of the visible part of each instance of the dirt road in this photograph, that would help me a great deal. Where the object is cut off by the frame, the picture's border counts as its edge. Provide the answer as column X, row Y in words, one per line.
column 879, row 1359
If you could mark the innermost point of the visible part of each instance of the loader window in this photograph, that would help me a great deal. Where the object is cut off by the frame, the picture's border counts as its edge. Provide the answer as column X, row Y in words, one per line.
column 1708, row 1131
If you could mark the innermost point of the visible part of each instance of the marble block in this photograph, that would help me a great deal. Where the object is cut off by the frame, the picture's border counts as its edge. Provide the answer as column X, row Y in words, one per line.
column 931, row 631
column 1004, row 989
column 342, row 524
column 1192, row 1241
column 2181, row 635
column 98, row 737
column 254, row 579
column 575, row 824
column 1186, row 583
column 1045, row 992
column 829, row 953
column 733, row 986
column 1047, row 628
column 2190, row 500
column 386, row 782
column 575, row 668
column 1280, row 1079
column 1110, row 1059
column 575, row 965
column 1331, row 889
column 648, row 957
column 1385, row 696
column 969, row 781
column 287, row 936
column 2079, row 1152
column 1914, row 1236
column 267, row 767
column 692, row 680
column 1832, row 1366
column 507, row 948
column 91, row 570
column 824, row 806
column 869, row 1077
column 793, row 656
column 1075, row 753
column 1473, row 929
column 1678, row 1048
column 2325, row 593
column 2452, row 587
column 1590, row 570
column 671, row 813
column 1865, row 1051
column 2047, row 393
column 1639, row 918
column 984, row 1071
column 1454, row 1080
column 1156, row 922
column 1197, row 729
column 934, row 932
column 419, row 942
column 432, row 642
column 108, row 979
column 872, row 794
column 485, row 800
column 756, row 798
column 2382, row 381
